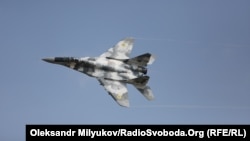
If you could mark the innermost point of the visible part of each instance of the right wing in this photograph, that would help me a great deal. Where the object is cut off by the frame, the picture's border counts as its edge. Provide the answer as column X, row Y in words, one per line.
column 117, row 90
column 121, row 50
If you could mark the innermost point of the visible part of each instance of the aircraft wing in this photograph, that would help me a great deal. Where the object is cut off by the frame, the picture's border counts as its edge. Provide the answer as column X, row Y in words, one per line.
column 117, row 90
column 121, row 50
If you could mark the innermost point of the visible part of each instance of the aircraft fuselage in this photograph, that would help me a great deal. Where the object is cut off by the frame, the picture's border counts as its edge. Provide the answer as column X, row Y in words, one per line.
column 118, row 70
column 98, row 66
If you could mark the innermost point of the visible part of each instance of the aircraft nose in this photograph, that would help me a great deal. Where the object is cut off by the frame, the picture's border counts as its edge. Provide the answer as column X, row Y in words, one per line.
column 50, row 60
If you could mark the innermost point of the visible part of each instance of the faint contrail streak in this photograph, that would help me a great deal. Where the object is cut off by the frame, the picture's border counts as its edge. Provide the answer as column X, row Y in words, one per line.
column 157, row 39
column 190, row 107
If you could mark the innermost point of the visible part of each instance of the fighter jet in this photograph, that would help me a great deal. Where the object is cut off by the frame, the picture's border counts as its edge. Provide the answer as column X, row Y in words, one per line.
column 114, row 70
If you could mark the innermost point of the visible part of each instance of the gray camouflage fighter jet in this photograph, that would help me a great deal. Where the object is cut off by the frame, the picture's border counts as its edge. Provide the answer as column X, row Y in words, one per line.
column 114, row 69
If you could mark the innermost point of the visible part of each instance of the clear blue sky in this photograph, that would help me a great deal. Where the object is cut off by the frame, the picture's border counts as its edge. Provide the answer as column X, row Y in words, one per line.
column 201, row 74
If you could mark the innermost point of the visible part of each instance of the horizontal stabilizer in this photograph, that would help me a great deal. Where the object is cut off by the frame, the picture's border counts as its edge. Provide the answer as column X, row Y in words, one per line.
column 139, row 82
column 146, row 92
column 151, row 60
column 142, row 60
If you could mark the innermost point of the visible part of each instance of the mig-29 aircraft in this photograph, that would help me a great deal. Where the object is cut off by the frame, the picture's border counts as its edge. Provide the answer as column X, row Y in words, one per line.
column 114, row 69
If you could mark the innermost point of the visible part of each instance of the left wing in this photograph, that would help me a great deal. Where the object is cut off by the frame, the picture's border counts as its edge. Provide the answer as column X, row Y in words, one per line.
column 117, row 90
column 121, row 50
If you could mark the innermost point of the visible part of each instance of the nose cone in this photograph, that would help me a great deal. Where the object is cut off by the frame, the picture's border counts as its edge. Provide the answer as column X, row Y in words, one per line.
column 50, row 60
